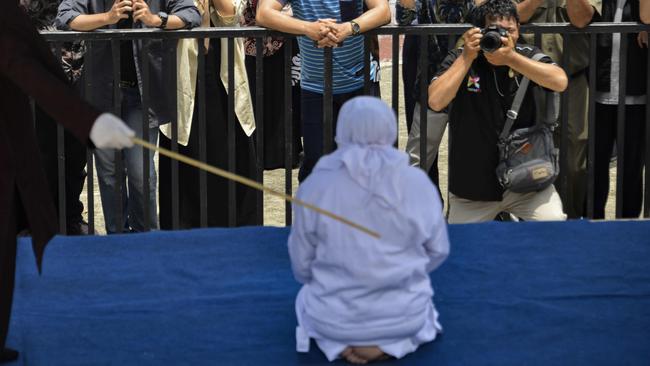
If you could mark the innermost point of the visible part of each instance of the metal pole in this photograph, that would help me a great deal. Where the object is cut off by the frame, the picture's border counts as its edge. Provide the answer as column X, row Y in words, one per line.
column 203, row 151
column 145, row 137
column 328, row 115
column 591, row 154
column 60, row 153
column 395, row 82
column 232, row 148
column 423, row 66
column 564, row 132
column 646, row 204
column 117, row 109
column 174, row 112
column 288, row 130
column 90, row 182
column 620, row 128
column 259, row 125
column 366, row 64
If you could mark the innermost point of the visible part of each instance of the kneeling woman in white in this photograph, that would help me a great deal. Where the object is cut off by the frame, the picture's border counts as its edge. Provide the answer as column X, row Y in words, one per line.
column 365, row 298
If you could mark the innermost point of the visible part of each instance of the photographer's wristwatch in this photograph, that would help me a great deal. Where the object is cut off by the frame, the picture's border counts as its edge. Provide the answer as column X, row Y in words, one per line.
column 355, row 28
column 163, row 20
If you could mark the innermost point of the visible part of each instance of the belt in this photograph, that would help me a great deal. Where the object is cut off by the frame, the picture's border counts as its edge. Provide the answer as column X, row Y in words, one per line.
column 128, row 84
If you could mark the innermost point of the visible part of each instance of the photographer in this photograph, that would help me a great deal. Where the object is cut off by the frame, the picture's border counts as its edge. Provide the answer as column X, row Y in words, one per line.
column 480, row 81
column 88, row 15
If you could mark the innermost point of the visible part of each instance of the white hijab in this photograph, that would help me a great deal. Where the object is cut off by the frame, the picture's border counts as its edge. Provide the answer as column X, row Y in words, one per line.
column 365, row 134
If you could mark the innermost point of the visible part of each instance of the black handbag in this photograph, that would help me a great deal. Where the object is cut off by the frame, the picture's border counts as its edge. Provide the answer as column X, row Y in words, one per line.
column 528, row 159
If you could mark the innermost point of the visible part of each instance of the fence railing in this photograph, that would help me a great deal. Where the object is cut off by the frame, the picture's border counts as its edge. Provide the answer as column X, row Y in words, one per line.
column 115, row 36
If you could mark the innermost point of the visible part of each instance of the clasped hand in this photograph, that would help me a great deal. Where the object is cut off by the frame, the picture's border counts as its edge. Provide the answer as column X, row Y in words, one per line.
column 329, row 33
column 139, row 8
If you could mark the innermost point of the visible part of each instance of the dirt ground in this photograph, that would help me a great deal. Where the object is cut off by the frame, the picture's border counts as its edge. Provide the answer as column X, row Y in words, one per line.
column 274, row 208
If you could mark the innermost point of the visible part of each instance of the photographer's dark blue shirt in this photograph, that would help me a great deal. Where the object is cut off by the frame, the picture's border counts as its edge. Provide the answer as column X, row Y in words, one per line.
column 476, row 118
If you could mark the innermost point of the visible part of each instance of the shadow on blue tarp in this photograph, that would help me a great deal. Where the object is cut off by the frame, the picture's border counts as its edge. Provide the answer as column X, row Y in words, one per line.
column 575, row 293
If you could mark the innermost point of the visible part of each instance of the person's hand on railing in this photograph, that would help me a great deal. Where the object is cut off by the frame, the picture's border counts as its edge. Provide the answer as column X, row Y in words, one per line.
column 642, row 39
column 110, row 132
column 408, row 4
column 317, row 31
column 142, row 13
column 336, row 33
column 119, row 10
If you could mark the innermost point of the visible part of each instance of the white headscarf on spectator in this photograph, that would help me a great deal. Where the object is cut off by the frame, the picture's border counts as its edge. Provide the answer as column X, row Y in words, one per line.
column 365, row 134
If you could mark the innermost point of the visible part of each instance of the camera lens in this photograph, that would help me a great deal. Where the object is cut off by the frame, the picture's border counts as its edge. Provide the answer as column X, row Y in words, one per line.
column 491, row 41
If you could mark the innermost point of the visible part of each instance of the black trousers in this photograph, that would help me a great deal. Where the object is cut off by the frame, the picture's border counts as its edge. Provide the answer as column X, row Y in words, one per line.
column 75, row 163
column 312, row 125
column 217, row 154
column 410, row 57
column 605, row 134
column 7, row 274
column 274, row 108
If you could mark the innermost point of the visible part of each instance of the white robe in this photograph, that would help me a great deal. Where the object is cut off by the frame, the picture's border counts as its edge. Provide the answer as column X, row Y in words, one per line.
column 358, row 290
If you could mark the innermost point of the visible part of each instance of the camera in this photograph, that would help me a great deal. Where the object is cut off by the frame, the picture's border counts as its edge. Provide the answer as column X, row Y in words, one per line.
column 491, row 40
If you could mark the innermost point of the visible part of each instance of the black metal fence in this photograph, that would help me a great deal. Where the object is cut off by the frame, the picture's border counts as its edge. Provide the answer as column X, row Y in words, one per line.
column 115, row 36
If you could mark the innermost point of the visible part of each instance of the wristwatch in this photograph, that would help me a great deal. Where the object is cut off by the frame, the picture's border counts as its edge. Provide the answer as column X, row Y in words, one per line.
column 355, row 28
column 163, row 20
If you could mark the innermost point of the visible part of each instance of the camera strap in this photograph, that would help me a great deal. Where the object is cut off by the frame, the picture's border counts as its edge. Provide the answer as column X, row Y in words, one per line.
column 516, row 103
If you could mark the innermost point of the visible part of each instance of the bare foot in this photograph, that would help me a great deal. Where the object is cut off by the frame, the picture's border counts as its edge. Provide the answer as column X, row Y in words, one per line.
column 370, row 354
column 351, row 357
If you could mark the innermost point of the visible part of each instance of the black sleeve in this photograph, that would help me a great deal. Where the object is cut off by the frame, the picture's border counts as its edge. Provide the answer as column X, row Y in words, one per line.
column 530, row 51
column 186, row 11
column 68, row 10
column 447, row 62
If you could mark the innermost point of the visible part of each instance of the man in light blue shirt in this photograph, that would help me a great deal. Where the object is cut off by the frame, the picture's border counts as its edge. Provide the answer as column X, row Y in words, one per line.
column 325, row 23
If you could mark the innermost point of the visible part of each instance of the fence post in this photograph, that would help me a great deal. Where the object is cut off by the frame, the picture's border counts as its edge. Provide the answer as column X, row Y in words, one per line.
column 288, row 129
column 620, row 126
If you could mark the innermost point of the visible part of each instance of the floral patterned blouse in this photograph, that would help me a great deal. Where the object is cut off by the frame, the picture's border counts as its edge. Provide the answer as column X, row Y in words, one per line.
column 43, row 13
column 435, row 12
column 271, row 44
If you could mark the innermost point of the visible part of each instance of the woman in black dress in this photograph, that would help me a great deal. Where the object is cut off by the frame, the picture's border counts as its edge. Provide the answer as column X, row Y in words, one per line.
column 274, row 60
column 216, row 138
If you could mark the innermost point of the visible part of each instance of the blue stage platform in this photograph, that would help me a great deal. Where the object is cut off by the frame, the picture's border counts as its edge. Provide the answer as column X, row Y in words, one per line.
column 510, row 294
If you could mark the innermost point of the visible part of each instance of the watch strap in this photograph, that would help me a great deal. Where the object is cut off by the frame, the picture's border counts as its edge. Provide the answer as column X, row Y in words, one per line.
column 163, row 18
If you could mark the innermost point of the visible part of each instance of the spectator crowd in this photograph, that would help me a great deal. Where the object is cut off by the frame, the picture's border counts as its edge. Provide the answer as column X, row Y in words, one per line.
column 470, row 90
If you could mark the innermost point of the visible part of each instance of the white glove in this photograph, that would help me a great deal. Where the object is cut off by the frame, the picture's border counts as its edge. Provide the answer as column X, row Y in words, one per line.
column 110, row 132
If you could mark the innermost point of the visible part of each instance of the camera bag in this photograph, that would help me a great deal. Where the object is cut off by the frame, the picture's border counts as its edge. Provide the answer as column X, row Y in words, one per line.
column 528, row 159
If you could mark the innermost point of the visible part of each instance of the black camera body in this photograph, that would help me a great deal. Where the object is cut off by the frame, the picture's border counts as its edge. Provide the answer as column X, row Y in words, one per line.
column 491, row 40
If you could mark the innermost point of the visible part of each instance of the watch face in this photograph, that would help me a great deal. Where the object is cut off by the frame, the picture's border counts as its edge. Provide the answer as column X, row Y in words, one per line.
column 355, row 28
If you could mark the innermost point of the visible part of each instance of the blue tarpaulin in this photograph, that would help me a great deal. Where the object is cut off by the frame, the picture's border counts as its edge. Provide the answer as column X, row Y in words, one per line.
column 574, row 293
